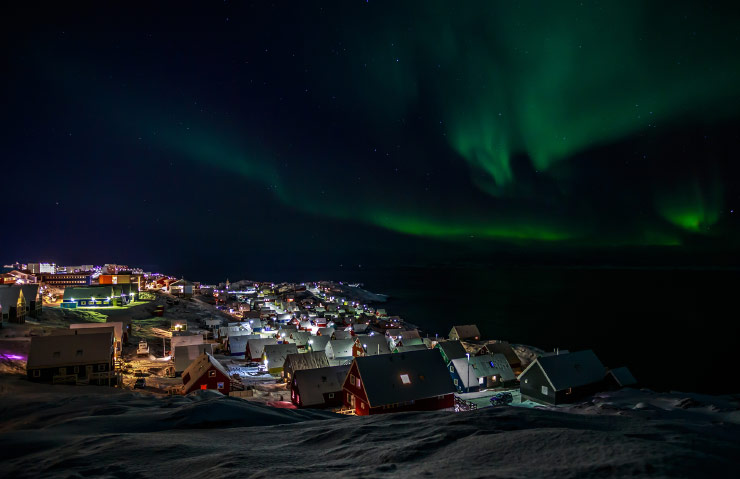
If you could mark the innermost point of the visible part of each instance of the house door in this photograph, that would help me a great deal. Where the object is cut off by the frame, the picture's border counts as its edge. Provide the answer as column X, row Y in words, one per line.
column 352, row 400
column 88, row 371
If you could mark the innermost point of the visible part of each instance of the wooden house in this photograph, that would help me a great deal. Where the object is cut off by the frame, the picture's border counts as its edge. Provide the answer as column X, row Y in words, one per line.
column 185, row 355
column 502, row 347
column 618, row 378
column 274, row 356
column 466, row 332
column 237, row 345
column 318, row 343
column 413, row 381
column 72, row 358
column 300, row 361
column 318, row 388
column 324, row 331
column 206, row 373
column 341, row 334
column 370, row 346
column 451, row 350
column 562, row 378
column 300, row 339
column 339, row 348
column 481, row 372
column 255, row 348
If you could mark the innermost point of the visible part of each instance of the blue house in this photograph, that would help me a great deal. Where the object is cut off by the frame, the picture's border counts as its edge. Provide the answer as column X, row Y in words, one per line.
column 480, row 372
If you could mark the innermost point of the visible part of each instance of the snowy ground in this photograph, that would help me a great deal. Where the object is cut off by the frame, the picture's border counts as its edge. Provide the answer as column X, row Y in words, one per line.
column 67, row 431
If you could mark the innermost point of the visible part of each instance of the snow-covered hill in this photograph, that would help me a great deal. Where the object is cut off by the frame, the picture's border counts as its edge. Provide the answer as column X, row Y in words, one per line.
column 66, row 431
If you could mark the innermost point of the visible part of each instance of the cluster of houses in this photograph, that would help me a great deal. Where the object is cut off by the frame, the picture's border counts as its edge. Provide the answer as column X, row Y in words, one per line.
column 331, row 365
column 331, row 353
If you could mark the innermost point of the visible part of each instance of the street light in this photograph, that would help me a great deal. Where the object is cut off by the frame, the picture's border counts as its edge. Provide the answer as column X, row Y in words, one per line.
column 468, row 382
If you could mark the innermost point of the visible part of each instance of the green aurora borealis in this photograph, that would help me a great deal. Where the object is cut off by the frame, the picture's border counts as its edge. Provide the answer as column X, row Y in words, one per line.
column 451, row 121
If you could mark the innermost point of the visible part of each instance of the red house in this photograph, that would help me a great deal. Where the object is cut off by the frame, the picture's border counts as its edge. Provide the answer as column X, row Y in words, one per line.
column 412, row 381
column 206, row 373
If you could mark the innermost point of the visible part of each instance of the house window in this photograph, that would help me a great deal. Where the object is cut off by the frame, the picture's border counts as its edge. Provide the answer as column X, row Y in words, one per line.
column 544, row 390
column 362, row 405
column 79, row 353
column 455, row 381
column 101, row 367
column 352, row 379
column 359, row 383
column 62, row 371
column 77, row 369
column 331, row 395
column 56, row 354
column 569, row 391
column 526, row 381
column 211, row 374
column 452, row 368
column 405, row 379
column 220, row 385
column 36, row 373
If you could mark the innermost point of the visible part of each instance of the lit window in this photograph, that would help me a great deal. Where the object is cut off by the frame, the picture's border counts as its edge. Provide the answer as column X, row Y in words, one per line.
column 544, row 390
column 405, row 379
column 211, row 374
column 220, row 385
column 359, row 384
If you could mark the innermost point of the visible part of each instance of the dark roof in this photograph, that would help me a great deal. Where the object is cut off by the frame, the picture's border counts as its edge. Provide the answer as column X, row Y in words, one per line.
column 623, row 376
column 381, row 376
column 86, row 292
column 502, row 347
column 314, row 383
column 570, row 370
column 312, row 360
column 466, row 331
column 70, row 349
column 452, row 349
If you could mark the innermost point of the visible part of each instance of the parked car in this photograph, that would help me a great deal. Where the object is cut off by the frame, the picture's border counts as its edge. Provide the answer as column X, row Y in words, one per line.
column 501, row 399
column 140, row 383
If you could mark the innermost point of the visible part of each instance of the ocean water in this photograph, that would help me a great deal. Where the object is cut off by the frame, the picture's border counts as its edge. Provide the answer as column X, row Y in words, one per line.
column 675, row 329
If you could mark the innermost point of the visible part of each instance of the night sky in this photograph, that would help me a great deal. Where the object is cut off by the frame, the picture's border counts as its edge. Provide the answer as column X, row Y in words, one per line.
column 245, row 139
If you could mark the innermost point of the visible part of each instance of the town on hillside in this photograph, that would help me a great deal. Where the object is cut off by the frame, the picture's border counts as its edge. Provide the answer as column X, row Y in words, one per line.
column 321, row 345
